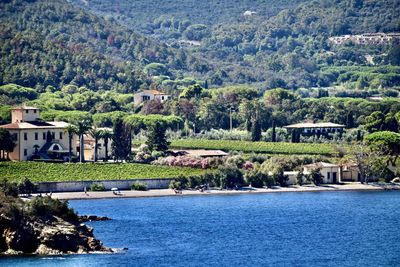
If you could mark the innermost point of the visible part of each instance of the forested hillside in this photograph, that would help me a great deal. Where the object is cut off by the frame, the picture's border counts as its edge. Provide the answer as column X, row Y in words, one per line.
column 52, row 43
column 285, row 49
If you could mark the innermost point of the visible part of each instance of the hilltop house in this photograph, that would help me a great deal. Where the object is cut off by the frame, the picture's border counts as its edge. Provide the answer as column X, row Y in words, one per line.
column 146, row 95
column 36, row 138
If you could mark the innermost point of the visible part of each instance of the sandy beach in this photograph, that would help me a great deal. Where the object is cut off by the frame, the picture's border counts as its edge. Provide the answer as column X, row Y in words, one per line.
column 170, row 192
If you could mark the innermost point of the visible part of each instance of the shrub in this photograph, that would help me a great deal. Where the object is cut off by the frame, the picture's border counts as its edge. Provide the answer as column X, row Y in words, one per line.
column 255, row 178
column 8, row 188
column 25, row 186
column 97, row 187
column 139, row 186
column 315, row 176
column 183, row 161
column 46, row 207
column 230, row 177
column 179, row 183
column 280, row 178
column 194, row 181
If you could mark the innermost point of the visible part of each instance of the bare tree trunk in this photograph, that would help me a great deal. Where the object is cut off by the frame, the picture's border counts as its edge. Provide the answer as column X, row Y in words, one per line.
column 106, row 148
column 96, row 147
column 70, row 147
column 81, row 148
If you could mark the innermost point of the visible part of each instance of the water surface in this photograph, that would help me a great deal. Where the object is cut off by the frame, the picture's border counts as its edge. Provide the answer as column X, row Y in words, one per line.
column 282, row 229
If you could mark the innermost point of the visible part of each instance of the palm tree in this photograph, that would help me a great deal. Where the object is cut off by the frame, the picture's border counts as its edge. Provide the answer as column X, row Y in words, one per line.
column 82, row 128
column 106, row 135
column 96, row 134
column 71, row 130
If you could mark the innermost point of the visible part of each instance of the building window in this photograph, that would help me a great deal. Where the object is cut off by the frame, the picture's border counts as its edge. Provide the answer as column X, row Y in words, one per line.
column 26, row 111
column 15, row 137
column 329, row 175
column 25, row 152
column 34, row 111
column 25, row 136
column 162, row 97
column 44, row 136
column 61, row 135
column 36, row 136
column 53, row 135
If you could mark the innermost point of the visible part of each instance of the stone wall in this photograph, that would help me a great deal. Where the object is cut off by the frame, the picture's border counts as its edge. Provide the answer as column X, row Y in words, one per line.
column 78, row 186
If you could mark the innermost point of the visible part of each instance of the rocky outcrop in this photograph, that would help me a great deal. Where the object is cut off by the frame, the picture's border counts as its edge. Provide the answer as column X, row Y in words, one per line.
column 92, row 218
column 52, row 237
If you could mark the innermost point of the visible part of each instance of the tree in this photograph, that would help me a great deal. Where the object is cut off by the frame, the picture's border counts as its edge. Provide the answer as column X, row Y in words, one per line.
column 82, row 128
column 368, row 161
column 25, row 186
column 316, row 176
column 156, row 138
column 255, row 130
column 385, row 142
column 96, row 134
column 71, row 130
column 106, row 135
column 375, row 121
column 121, row 140
column 192, row 91
column 394, row 55
column 7, row 143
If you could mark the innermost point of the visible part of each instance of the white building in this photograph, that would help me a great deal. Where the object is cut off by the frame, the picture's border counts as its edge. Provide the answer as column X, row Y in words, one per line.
column 147, row 95
column 331, row 173
column 36, row 138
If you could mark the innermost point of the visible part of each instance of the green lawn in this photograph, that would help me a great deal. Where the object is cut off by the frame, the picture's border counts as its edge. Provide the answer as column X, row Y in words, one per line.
column 49, row 172
column 259, row 147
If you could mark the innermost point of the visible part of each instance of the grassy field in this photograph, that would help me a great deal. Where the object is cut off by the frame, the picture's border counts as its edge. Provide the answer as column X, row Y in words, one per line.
column 259, row 147
column 49, row 172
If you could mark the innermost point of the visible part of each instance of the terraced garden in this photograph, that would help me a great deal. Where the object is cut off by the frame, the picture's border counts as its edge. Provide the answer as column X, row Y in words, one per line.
column 258, row 147
column 49, row 172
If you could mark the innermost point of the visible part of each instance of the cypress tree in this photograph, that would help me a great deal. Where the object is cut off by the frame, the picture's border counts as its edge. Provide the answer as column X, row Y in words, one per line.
column 121, row 140
column 156, row 138
column 255, row 131
column 273, row 131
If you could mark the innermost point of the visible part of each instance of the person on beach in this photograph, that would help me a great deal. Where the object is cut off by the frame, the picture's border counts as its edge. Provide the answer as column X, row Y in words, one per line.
column 85, row 191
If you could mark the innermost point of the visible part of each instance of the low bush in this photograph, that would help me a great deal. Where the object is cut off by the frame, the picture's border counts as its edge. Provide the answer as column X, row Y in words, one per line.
column 97, row 187
column 179, row 183
column 139, row 186
column 46, row 207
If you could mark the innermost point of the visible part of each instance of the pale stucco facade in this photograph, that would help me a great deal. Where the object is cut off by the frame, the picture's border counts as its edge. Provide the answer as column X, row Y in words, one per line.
column 147, row 95
column 34, row 137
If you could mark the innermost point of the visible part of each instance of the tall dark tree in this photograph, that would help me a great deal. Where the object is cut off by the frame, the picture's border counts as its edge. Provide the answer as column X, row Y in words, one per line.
column 7, row 143
column 82, row 128
column 156, row 138
column 71, row 130
column 106, row 135
column 121, row 140
column 273, row 131
column 96, row 134
column 255, row 131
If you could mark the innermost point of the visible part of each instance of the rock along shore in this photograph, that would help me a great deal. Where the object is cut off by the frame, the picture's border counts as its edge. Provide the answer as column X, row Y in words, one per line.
column 53, row 237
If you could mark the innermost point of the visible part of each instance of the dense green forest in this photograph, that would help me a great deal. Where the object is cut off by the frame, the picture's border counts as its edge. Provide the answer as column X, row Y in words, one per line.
column 283, row 44
column 85, row 60
column 52, row 43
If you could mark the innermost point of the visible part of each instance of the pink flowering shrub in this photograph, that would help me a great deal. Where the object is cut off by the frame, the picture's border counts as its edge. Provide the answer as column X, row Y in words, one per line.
column 248, row 165
column 183, row 161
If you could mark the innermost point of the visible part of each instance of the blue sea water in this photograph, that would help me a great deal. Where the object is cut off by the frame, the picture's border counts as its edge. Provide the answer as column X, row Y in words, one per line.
column 282, row 229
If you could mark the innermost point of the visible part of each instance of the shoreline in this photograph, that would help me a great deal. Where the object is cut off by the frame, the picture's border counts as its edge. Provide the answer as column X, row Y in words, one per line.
column 246, row 190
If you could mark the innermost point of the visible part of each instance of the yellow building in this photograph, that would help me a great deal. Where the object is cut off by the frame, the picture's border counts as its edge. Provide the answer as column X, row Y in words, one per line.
column 38, row 139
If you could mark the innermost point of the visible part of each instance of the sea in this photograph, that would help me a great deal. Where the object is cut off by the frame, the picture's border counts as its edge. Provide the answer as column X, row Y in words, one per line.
column 280, row 229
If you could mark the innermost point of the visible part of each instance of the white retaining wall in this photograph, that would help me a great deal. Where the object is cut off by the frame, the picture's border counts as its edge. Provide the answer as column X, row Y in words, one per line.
column 45, row 187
